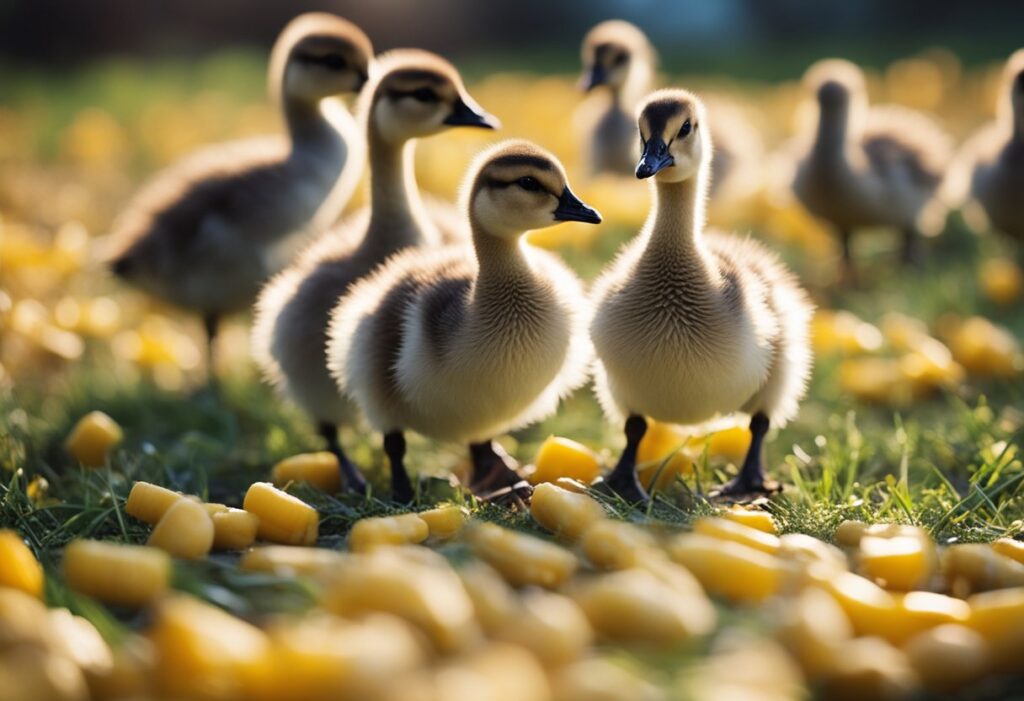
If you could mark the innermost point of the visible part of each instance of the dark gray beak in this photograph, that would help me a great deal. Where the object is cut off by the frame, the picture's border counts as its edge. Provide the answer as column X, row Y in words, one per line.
column 596, row 76
column 463, row 115
column 655, row 158
column 571, row 208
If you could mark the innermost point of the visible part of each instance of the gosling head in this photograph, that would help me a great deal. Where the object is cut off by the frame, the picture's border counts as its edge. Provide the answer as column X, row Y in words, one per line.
column 836, row 84
column 417, row 93
column 319, row 55
column 1013, row 77
column 516, row 186
column 674, row 139
column 609, row 51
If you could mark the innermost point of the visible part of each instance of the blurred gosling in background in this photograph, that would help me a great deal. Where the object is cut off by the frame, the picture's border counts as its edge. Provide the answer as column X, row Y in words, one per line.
column 413, row 94
column 464, row 343
column 207, row 233
column 689, row 325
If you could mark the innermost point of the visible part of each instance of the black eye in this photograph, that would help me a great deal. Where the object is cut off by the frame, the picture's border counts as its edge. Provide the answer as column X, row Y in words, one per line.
column 334, row 62
column 620, row 59
column 424, row 95
column 685, row 131
column 528, row 183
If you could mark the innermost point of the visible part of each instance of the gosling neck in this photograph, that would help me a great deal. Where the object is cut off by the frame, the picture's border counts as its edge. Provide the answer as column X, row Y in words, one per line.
column 503, row 268
column 637, row 84
column 831, row 136
column 1017, row 105
column 678, row 218
column 396, row 209
column 310, row 129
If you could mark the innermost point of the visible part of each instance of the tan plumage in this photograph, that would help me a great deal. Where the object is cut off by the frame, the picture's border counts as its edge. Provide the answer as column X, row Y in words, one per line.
column 206, row 233
column 989, row 171
column 689, row 325
column 289, row 333
column 466, row 343
column 864, row 167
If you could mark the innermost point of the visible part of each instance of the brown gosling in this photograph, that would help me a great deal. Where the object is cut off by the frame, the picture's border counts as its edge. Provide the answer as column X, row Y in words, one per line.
column 867, row 167
column 688, row 324
column 208, row 232
column 465, row 343
column 412, row 94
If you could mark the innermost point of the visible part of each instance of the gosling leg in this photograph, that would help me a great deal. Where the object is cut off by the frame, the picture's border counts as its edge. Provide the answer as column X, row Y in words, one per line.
column 752, row 479
column 847, row 268
column 394, row 448
column 211, row 323
column 912, row 251
column 352, row 478
column 623, row 479
column 494, row 475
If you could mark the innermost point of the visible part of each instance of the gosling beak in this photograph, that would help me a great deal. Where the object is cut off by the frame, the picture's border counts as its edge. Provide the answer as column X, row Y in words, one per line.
column 571, row 208
column 596, row 76
column 466, row 115
column 361, row 79
column 655, row 158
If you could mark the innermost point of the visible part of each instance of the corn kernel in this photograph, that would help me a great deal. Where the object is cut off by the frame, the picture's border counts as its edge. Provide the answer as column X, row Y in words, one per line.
column 661, row 455
column 444, row 522
column 291, row 560
column 129, row 575
column 849, row 533
column 496, row 672
column 149, row 502
column 78, row 640
column 901, row 563
column 431, row 596
column 736, row 532
column 551, row 626
column 493, row 599
column 92, row 438
column 18, row 566
column 615, row 545
column 564, row 513
column 283, row 518
column 949, row 657
column 23, row 620
column 318, row 469
column 973, row 567
column 522, row 559
column 843, row 332
column 998, row 616
column 814, row 628
column 30, row 674
column 870, row 608
column 984, row 348
column 370, row 533
column 233, row 529
column 185, row 531
column 561, row 457
column 728, row 569
column 130, row 674
column 745, row 666
column 870, row 668
column 730, row 443
column 1001, row 280
column 751, row 518
column 1013, row 549
column 809, row 552
column 601, row 680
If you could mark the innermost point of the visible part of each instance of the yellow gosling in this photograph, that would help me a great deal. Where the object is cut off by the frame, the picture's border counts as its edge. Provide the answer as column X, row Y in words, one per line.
column 283, row 518
column 127, row 575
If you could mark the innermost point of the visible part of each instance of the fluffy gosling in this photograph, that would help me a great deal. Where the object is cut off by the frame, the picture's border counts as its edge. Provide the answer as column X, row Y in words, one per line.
column 207, row 233
column 689, row 324
column 864, row 167
column 412, row 94
column 465, row 343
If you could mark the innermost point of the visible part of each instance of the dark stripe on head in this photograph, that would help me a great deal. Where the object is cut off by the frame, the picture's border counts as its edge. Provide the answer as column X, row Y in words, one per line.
column 514, row 159
column 418, row 75
column 659, row 112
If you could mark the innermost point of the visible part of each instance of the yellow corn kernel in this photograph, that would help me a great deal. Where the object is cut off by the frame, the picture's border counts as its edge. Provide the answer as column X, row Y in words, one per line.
column 18, row 566
column 732, row 444
column 811, row 553
column 496, row 672
column 662, row 456
column 78, row 640
column 615, row 545
column 493, row 599
column 752, row 518
column 984, row 348
column 185, row 531
column 23, row 619
column 283, row 518
column 130, row 674
column 318, row 469
column 564, row 513
column 901, row 563
column 431, row 596
column 998, row 616
column 870, row 668
column 202, row 652
column 551, row 626
column 291, row 560
column 233, row 529
column 523, row 560
column 1013, row 549
column 870, row 608
column 599, row 679
column 561, row 457
column 31, row 674
column 444, row 522
column 1001, row 280
column 636, row 606
column 130, row 575
column 948, row 658
column 728, row 569
column 849, row 533
column 814, row 628
column 842, row 331
column 92, row 438
column 736, row 532
column 370, row 533
column 973, row 567
column 149, row 502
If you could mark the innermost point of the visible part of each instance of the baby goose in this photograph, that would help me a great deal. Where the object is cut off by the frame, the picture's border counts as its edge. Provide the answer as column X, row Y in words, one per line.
column 688, row 325
column 992, row 161
column 462, row 347
column 877, row 167
column 412, row 94
column 206, row 234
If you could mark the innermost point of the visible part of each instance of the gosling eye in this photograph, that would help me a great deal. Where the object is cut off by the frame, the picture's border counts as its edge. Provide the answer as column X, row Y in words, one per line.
column 685, row 131
column 528, row 183
column 334, row 62
column 424, row 95
column 620, row 59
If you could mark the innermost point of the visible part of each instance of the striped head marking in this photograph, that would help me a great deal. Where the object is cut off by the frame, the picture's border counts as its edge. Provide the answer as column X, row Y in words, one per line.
column 674, row 141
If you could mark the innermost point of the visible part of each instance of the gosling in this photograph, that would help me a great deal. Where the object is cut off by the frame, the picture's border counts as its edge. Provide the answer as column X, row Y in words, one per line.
column 412, row 94
column 870, row 167
column 992, row 162
column 689, row 325
column 465, row 343
column 206, row 234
